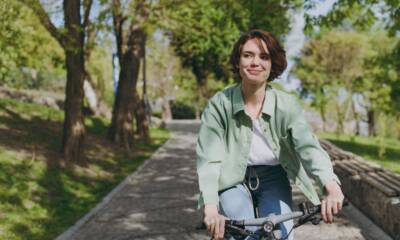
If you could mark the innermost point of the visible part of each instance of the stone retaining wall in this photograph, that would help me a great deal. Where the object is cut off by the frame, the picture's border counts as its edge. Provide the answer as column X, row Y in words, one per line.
column 373, row 190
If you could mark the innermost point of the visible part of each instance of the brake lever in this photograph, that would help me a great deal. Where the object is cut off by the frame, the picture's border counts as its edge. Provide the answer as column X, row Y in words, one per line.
column 241, row 231
column 316, row 221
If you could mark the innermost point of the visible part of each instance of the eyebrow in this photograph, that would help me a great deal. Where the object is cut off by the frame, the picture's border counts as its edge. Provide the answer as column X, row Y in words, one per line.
column 262, row 53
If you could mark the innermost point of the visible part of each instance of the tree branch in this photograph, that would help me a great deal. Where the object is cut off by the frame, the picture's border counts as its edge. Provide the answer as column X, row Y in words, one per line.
column 44, row 18
column 118, row 20
column 87, row 5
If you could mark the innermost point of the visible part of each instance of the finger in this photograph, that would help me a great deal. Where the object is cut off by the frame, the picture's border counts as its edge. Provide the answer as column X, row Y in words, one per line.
column 329, row 211
column 216, row 229
column 221, row 228
column 340, row 205
column 323, row 210
column 212, row 224
column 335, row 208
column 207, row 223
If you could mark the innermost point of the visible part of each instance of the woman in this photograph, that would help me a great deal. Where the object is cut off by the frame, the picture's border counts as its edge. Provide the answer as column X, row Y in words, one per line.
column 254, row 138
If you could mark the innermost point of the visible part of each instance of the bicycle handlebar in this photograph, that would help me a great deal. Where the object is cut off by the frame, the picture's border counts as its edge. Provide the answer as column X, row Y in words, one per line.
column 275, row 219
column 307, row 214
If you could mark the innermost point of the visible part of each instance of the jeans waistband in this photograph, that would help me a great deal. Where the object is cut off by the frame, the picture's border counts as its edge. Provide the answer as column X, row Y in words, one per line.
column 257, row 172
column 263, row 170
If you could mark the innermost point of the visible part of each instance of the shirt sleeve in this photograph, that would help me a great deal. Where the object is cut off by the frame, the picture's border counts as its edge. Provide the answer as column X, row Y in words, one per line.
column 210, row 151
column 315, row 160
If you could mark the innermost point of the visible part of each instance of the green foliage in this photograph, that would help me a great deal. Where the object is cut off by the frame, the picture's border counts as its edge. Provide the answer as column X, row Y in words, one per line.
column 357, row 63
column 40, row 197
column 359, row 15
column 201, row 34
column 379, row 73
column 164, row 65
column 183, row 110
column 328, row 64
column 345, row 14
column 100, row 67
column 372, row 16
column 29, row 56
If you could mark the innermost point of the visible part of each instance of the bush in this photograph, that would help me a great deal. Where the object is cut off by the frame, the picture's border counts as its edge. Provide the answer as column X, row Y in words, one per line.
column 181, row 110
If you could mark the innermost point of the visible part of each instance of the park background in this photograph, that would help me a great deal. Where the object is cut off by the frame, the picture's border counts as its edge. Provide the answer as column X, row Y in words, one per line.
column 69, row 133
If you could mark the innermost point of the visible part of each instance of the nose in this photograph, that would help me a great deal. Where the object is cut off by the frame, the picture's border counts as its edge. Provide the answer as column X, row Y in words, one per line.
column 255, row 61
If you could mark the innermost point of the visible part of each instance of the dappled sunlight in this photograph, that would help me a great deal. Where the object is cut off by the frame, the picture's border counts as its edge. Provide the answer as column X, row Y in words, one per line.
column 40, row 195
column 135, row 226
column 158, row 201
column 164, row 178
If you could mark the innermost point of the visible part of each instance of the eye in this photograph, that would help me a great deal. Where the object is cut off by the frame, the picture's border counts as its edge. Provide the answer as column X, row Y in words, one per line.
column 265, row 57
column 246, row 55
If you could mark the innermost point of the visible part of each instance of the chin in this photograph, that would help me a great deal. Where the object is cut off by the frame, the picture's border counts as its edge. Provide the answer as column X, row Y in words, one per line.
column 255, row 81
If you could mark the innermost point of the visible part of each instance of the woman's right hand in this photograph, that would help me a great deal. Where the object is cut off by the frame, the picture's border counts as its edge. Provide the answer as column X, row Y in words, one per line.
column 214, row 221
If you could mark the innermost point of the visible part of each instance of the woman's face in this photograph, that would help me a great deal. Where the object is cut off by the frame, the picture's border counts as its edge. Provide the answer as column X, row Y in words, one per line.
column 255, row 63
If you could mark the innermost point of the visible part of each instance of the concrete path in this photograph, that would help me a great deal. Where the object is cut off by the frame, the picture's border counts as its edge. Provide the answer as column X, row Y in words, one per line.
column 159, row 202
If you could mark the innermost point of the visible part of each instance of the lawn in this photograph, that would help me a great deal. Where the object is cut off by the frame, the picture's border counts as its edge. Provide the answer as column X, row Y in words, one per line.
column 368, row 148
column 41, row 196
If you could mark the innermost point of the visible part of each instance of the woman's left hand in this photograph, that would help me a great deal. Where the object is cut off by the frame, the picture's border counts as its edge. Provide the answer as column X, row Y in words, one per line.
column 333, row 201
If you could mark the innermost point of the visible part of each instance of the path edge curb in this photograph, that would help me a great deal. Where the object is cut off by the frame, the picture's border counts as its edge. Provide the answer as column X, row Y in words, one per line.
column 70, row 232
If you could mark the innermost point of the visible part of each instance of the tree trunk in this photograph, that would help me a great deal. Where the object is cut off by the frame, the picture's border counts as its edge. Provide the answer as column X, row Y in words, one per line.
column 323, row 116
column 90, row 96
column 340, row 119
column 371, row 123
column 142, row 125
column 74, row 128
column 121, row 129
column 356, row 118
column 96, row 103
column 141, row 111
column 166, row 109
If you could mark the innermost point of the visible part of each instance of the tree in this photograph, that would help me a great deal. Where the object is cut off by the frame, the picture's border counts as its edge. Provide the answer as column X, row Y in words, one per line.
column 330, row 64
column 130, row 42
column 203, row 32
column 364, row 15
column 379, row 78
column 161, row 77
column 368, row 15
column 200, row 34
column 27, row 62
column 72, row 41
column 91, row 28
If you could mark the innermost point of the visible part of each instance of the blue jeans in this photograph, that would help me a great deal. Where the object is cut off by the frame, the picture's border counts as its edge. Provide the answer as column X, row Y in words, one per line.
column 273, row 196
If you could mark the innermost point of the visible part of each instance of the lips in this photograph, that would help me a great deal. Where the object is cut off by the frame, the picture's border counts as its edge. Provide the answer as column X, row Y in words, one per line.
column 253, row 72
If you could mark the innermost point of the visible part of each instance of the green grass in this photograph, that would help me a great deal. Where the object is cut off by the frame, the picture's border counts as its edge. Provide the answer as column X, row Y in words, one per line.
column 40, row 197
column 368, row 148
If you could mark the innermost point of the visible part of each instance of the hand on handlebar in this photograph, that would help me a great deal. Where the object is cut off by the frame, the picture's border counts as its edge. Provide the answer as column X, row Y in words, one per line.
column 214, row 221
column 333, row 201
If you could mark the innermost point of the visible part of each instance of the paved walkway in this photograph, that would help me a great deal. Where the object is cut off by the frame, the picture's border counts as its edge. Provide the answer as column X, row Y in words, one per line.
column 159, row 202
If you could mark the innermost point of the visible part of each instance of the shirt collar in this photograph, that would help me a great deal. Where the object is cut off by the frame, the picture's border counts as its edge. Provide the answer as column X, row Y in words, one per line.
column 238, row 103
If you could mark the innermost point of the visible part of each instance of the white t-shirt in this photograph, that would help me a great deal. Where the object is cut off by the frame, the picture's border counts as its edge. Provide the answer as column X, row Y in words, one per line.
column 260, row 151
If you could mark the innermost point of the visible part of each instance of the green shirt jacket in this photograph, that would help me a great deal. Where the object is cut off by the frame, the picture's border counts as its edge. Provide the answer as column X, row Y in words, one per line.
column 224, row 140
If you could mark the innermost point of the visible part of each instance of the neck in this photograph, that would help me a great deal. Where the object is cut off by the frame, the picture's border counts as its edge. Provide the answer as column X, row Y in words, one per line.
column 253, row 95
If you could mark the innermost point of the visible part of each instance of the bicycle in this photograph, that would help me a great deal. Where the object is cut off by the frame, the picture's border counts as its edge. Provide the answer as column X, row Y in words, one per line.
column 269, row 226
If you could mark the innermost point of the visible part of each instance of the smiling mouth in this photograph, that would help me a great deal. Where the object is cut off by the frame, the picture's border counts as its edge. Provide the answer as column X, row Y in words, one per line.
column 254, row 72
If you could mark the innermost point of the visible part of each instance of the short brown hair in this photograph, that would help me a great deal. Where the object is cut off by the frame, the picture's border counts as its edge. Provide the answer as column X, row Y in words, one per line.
column 277, row 53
